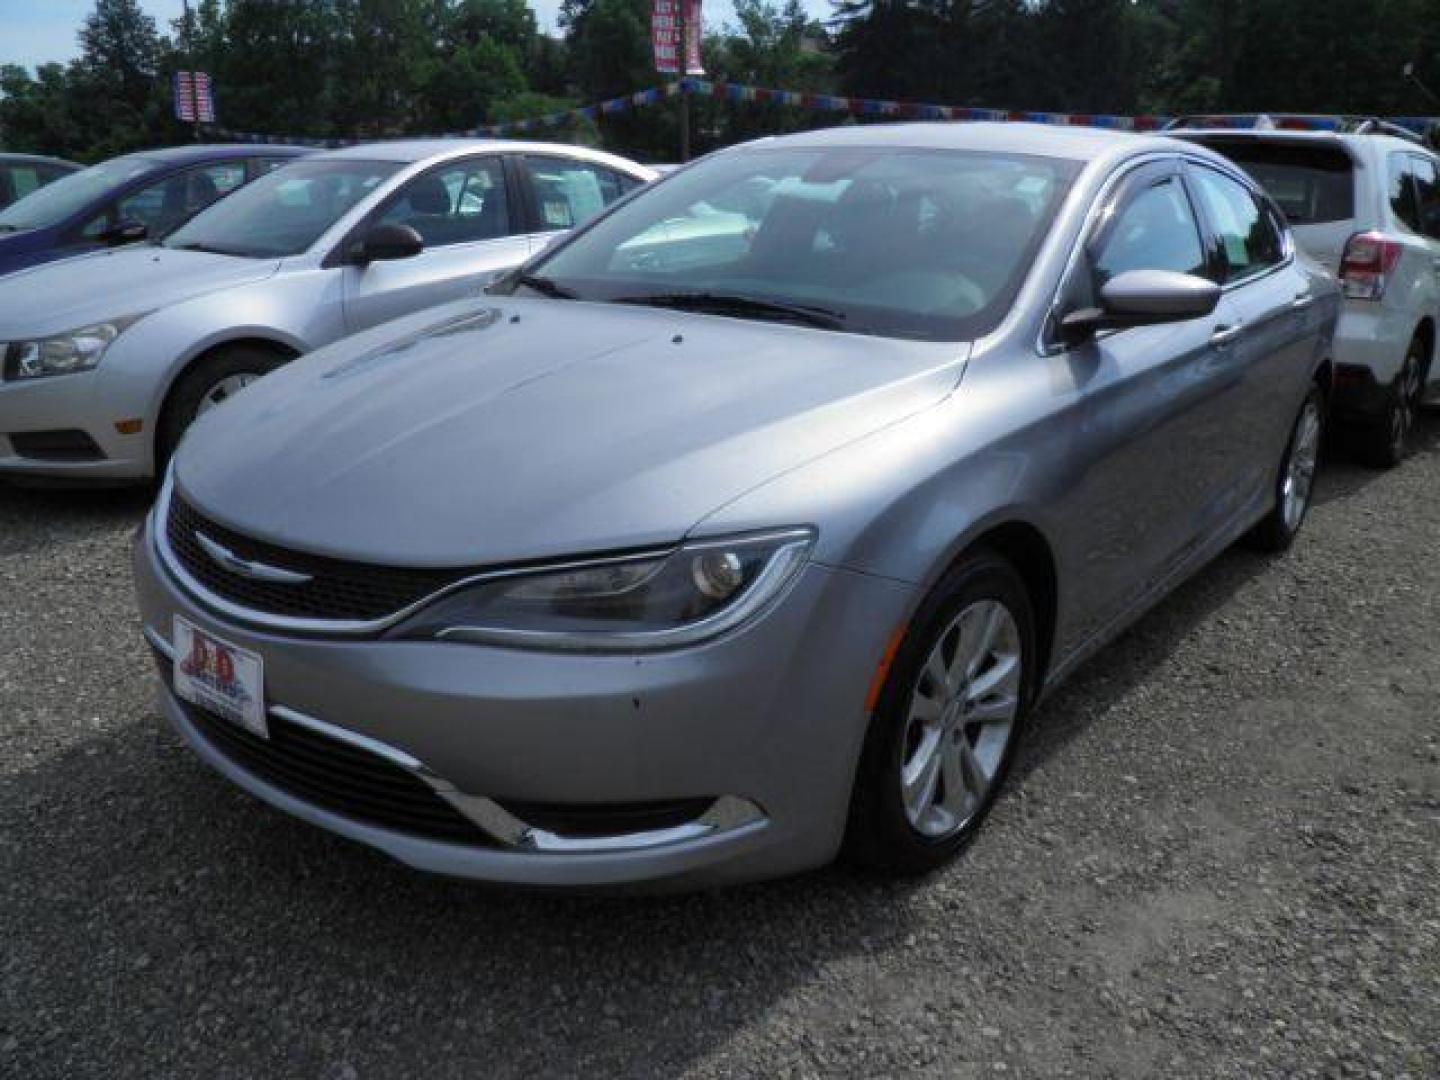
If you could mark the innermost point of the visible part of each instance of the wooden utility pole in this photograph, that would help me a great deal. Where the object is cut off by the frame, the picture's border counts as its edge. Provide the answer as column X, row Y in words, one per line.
column 682, row 68
column 190, row 63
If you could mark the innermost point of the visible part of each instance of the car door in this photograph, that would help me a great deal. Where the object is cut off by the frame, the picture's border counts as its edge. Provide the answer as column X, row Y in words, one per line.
column 1152, row 412
column 565, row 192
column 1276, row 321
column 465, row 212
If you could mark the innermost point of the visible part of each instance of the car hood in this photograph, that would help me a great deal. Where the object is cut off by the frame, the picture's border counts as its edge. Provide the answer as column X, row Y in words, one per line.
column 526, row 429
column 74, row 292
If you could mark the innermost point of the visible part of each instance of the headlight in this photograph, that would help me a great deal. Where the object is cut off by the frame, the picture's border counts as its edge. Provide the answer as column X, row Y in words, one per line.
column 63, row 354
column 661, row 601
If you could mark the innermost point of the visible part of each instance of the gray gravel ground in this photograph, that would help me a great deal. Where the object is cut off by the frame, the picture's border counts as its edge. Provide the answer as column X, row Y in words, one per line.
column 1219, row 857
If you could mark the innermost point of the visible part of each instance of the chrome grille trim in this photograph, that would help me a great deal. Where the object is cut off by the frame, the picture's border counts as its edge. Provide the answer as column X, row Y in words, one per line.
column 336, row 627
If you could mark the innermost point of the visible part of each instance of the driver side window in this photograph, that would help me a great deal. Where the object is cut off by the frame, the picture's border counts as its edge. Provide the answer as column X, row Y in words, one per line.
column 457, row 204
column 1154, row 230
column 168, row 203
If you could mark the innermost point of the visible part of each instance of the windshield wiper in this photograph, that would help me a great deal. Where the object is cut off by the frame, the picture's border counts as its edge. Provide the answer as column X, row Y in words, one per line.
column 540, row 284
column 736, row 304
column 209, row 249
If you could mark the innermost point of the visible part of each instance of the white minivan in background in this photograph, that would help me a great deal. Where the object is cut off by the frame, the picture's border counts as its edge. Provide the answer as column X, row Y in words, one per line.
column 1366, row 204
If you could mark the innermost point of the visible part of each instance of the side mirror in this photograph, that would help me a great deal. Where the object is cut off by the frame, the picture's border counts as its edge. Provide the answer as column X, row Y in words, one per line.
column 387, row 241
column 1142, row 298
column 501, row 282
column 125, row 231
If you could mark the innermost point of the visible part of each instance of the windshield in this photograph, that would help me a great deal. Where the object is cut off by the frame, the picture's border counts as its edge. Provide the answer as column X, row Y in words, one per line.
column 284, row 212
column 55, row 202
column 920, row 244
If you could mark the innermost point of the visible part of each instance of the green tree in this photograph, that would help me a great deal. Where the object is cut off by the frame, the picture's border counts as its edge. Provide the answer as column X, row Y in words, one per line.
column 459, row 90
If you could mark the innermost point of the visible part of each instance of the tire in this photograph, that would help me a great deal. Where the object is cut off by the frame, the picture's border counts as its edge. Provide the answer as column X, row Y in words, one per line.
column 895, row 835
column 1386, row 443
column 1295, row 482
column 206, row 382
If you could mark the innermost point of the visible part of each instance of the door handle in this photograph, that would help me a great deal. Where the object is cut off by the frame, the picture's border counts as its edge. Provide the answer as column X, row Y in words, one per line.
column 1225, row 336
column 1302, row 301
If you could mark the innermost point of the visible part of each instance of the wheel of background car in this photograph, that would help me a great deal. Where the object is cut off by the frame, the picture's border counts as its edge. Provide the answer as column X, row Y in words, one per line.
column 1295, row 482
column 207, row 383
column 1386, row 443
column 947, row 720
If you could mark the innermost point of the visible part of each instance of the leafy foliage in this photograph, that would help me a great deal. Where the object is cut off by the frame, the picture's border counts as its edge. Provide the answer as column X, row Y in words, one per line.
column 374, row 68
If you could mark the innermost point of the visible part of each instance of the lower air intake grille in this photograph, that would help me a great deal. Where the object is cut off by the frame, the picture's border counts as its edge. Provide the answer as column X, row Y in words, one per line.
column 65, row 445
column 338, row 777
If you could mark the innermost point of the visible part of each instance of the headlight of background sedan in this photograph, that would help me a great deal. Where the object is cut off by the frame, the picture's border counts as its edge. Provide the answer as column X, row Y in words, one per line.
column 695, row 592
column 63, row 354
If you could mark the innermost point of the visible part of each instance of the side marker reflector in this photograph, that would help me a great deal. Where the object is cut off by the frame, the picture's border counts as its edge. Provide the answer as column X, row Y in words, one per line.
column 882, row 670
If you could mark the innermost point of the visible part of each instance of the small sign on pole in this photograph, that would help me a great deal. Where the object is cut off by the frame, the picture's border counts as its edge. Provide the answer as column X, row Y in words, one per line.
column 194, row 102
column 667, row 22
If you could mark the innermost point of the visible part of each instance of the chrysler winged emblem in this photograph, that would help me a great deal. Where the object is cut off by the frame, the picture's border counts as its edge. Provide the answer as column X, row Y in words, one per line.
column 255, row 571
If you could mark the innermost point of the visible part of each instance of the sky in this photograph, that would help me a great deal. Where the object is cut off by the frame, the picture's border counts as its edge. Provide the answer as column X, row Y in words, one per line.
column 37, row 31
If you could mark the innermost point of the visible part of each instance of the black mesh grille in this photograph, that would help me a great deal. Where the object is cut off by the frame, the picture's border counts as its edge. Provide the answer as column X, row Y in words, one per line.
column 337, row 589
column 68, row 445
column 338, row 777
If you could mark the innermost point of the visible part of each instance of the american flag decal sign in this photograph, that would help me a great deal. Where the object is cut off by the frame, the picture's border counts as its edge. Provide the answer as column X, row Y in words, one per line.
column 194, row 102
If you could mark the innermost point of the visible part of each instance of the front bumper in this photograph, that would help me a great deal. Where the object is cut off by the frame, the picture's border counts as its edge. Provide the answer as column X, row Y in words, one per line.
column 768, row 721
column 82, row 403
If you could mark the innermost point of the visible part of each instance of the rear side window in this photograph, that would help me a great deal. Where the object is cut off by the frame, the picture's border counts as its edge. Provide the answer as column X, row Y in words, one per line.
column 24, row 179
column 1246, row 233
column 569, row 192
column 1427, row 196
column 1414, row 193
column 1403, row 202
column 1310, row 184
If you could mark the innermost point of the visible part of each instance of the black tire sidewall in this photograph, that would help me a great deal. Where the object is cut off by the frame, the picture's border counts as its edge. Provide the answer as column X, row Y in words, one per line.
column 1274, row 533
column 183, row 402
column 880, row 836
column 1315, row 399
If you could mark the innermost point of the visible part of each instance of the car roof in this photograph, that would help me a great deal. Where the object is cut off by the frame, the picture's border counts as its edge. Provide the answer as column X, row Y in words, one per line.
column 411, row 151
column 1049, row 140
column 36, row 159
column 184, row 155
column 1351, row 141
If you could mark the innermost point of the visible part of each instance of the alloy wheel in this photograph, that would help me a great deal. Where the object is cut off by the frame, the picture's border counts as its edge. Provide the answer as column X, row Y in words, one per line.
column 961, row 719
column 1300, row 469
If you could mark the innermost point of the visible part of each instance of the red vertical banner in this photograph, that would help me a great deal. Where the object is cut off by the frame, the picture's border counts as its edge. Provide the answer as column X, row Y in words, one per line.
column 665, row 36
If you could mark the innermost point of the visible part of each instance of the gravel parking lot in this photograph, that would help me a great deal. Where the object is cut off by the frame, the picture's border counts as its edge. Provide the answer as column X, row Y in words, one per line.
column 1220, row 856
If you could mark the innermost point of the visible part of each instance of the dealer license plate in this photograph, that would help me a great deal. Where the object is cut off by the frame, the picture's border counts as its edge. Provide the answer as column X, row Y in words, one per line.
column 220, row 677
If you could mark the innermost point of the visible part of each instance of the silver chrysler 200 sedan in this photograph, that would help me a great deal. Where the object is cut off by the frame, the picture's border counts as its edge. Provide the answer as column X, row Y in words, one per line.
column 750, row 522
column 105, row 359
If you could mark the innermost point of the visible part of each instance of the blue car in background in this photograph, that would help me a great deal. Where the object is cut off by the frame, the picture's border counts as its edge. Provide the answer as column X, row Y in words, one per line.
column 20, row 174
column 135, row 197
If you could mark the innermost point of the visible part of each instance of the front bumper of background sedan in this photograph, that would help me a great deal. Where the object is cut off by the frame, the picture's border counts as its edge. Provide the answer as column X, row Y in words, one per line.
column 760, row 729
column 65, row 428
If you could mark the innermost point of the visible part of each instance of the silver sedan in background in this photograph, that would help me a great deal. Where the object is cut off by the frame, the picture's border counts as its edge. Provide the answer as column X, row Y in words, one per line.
column 107, row 358
column 696, row 556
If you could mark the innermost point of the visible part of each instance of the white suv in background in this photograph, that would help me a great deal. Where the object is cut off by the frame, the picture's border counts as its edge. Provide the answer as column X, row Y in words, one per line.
column 1367, row 205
